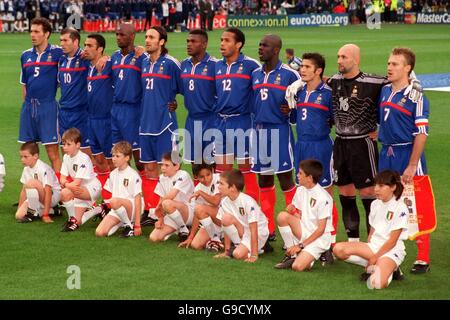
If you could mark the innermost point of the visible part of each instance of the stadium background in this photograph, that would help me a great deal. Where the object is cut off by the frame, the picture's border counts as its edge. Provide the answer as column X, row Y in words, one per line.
column 35, row 257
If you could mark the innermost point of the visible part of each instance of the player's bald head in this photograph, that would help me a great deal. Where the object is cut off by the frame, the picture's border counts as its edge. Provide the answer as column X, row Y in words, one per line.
column 273, row 40
column 127, row 28
column 352, row 51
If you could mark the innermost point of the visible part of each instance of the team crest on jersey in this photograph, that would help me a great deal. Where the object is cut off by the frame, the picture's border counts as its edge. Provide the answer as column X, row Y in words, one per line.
column 241, row 211
column 240, row 69
column 36, row 176
column 75, row 167
column 312, row 202
column 161, row 69
column 319, row 99
column 77, row 64
column 389, row 215
column 278, row 79
column 205, row 71
column 126, row 182
column 354, row 92
column 133, row 61
column 49, row 58
column 402, row 102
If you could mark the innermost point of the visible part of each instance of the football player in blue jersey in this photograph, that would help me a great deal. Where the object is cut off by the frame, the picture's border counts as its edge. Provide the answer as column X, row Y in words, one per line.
column 234, row 108
column 271, row 149
column 38, row 117
column 403, row 118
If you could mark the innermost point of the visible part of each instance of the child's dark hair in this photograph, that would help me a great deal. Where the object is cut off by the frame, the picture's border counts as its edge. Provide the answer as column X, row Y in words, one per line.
column 172, row 156
column 72, row 134
column 234, row 178
column 31, row 146
column 313, row 168
column 390, row 178
column 196, row 168
column 124, row 148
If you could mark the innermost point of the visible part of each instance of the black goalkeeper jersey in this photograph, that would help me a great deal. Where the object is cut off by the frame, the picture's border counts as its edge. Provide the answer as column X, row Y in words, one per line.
column 355, row 103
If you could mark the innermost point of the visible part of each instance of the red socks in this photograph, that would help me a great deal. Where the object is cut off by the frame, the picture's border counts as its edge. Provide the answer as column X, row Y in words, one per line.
column 334, row 220
column 102, row 177
column 251, row 184
column 423, row 248
column 289, row 195
column 268, row 199
column 148, row 187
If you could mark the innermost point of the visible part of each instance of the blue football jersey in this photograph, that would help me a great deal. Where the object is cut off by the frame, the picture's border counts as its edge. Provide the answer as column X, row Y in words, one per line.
column 269, row 91
column 401, row 119
column 198, row 86
column 39, row 73
column 72, row 74
column 314, row 113
column 100, row 92
column 234, row 85
column 160, row 83
column 127, row 77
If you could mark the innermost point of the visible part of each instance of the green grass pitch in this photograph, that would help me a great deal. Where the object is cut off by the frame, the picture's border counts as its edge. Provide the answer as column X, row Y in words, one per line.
column 34, row 257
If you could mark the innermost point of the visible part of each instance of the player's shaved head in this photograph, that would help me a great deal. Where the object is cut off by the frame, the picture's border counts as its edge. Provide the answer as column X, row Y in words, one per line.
column 349, row 58
column 274, row 40
column 352, row 51
column 127, row 28
column 125, row 35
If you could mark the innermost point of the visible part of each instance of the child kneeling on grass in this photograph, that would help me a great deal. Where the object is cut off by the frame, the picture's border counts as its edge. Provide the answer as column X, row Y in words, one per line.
column 126, row 203
column 385, row 251
column 41, row 189
column 306, row 224
column 206, row 198
column 174, row 211
column 244, row 224
column 80, row 194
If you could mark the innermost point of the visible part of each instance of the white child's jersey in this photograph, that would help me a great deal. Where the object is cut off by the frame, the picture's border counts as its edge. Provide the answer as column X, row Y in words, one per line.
column 180, row 181
column 211, row 190
column 79, row 167
column 43, row 173
column 315, row 204
column 246, row 210
column 386, row 217
column 125, row 184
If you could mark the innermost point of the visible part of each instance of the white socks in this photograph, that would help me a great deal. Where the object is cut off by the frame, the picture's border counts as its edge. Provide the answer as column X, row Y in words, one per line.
column 88, row 215
column 33, row 200
column 114, row 229
column 233, row 234
column 208, row 224
column 288, row 237
column 357, row 260
column 123, row 215
column 69, row 205
column 178, row 219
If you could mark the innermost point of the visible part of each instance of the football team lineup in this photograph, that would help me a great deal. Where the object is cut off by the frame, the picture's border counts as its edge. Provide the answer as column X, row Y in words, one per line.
column 326, row 162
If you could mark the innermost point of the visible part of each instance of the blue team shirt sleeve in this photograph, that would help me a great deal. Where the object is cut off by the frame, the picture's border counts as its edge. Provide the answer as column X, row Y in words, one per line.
column 421, row 114
column 23, row 74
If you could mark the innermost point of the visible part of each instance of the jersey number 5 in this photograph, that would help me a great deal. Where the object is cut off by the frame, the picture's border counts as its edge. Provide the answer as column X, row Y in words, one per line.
column 36, row 72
